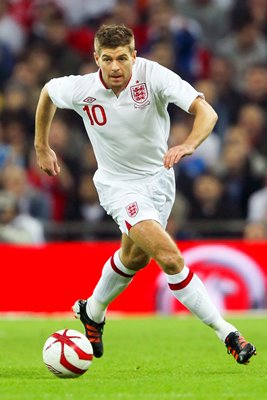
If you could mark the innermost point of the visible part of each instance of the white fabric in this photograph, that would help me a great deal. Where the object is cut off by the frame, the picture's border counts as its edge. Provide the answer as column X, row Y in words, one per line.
column 143, row 199
column 195, row 297
column 120, row 265
column 181, row 276
column 109, row 286
column 128, row 133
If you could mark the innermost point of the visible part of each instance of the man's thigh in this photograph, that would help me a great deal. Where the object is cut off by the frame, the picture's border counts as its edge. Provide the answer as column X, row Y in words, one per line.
column 151, row 238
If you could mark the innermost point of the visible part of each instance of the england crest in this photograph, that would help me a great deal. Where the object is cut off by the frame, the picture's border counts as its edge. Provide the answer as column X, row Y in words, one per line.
column 139, row 93
column 132, row 209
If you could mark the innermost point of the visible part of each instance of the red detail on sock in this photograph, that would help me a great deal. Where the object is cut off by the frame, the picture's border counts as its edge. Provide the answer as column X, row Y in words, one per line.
column 129, row 226
column 183, row 284
column 117, row 270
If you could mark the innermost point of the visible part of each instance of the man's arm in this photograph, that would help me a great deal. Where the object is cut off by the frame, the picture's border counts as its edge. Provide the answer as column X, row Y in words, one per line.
column 205, row 119
column 45, row 111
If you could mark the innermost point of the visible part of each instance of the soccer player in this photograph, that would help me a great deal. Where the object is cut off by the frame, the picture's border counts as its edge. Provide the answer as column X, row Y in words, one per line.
column 124, row 110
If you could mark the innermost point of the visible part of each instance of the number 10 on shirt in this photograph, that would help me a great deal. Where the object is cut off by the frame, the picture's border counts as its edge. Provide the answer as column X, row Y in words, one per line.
column 96, row 114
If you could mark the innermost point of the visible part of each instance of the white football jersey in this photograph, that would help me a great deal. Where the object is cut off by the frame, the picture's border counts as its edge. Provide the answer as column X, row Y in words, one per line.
column 129, row 133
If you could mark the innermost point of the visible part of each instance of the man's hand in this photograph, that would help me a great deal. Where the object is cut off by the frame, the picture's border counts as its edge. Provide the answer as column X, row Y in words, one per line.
column 174, row 154
column 47, row 161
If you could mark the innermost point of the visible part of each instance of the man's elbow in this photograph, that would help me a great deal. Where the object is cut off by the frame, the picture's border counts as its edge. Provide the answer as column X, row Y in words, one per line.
column 214, row 117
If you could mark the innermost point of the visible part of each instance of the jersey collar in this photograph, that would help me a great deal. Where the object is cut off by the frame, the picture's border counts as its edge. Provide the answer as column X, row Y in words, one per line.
column 103, row 83
column 101, row 79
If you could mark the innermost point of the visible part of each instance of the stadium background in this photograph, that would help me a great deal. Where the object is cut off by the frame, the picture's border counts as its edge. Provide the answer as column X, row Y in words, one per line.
column 220, row 46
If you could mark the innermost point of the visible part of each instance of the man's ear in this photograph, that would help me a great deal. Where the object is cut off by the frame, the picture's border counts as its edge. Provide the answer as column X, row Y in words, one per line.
column 96, row 57
column 134, row 55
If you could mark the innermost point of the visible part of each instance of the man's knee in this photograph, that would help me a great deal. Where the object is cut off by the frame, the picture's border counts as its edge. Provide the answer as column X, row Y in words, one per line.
column 155, row 241
column 138, row 261
column 134, row 259
column 171, row 262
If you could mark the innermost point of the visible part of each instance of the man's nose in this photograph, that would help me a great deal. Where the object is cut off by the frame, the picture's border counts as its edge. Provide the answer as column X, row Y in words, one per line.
column 115, row 66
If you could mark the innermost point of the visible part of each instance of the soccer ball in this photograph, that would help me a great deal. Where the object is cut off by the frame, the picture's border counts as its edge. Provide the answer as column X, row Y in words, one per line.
column 67, row 353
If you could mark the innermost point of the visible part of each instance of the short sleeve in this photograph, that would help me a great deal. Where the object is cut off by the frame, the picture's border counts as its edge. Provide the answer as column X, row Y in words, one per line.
column 61, row 91
column 172, row 88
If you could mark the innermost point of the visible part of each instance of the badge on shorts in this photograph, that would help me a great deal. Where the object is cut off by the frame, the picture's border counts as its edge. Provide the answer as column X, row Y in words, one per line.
column 132, row 209
column 139, row 93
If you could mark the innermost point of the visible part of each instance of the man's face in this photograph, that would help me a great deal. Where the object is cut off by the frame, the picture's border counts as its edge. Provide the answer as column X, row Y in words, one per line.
column 116, row 66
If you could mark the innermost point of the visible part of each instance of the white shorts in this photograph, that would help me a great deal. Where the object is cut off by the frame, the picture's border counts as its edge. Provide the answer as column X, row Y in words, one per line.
column 137, row 200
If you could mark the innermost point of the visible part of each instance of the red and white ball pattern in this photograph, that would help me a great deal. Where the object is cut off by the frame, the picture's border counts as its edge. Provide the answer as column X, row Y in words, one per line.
column 67, row 353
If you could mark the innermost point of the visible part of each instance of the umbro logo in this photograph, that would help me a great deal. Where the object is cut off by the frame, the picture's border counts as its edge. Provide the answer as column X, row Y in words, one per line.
column 89, row 100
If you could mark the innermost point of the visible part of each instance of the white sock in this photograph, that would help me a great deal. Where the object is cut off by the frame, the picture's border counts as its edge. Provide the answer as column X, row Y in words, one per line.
column 191, row 292
column 114, row 279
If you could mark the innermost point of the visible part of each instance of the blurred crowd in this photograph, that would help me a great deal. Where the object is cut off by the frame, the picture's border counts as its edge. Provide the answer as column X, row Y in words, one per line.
column 219, row 46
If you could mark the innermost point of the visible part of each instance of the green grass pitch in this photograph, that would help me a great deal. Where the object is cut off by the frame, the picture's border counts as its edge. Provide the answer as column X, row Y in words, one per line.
column 146, row 358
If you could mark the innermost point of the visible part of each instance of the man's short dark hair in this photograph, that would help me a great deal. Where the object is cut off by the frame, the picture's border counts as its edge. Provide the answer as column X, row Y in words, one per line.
column 112, row 36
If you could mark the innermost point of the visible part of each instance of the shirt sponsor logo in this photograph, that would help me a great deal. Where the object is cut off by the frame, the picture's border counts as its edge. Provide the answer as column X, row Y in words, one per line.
column 139, row 93
column 132, row 209
column 89, row 100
